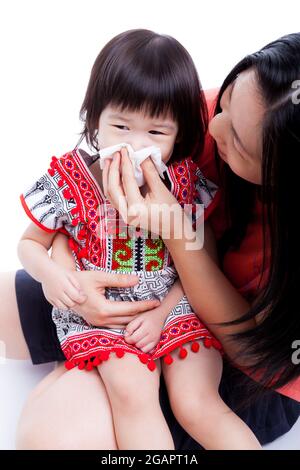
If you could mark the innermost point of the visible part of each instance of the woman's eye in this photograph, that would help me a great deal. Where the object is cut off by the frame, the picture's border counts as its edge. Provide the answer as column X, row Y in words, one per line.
column 121, row 127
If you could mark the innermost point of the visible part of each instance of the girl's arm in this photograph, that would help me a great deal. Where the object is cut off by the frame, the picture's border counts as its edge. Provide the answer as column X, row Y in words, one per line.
column 60, row 286
column 61, row 252
column 33, row 252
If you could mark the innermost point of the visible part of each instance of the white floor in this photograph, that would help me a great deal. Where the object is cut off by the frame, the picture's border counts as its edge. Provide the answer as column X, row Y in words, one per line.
column 17, row 378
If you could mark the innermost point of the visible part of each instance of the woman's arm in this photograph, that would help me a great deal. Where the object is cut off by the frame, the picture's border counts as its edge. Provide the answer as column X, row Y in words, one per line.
column 209, row 291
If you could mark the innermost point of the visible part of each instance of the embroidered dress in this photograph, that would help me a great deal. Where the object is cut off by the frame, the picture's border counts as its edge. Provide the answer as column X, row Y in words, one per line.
column 67, row 198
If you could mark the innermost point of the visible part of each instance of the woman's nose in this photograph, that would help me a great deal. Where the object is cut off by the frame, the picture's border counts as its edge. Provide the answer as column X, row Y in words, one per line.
column 218, row 127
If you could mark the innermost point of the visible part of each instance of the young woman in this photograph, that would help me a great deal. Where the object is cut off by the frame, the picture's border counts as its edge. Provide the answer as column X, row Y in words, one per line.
column 256, row 128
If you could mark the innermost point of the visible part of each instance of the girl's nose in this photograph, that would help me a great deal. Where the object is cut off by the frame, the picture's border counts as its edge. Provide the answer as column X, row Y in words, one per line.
column 138, row 144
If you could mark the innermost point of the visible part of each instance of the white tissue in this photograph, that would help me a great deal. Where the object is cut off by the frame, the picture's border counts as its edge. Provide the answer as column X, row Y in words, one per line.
column 136, row 158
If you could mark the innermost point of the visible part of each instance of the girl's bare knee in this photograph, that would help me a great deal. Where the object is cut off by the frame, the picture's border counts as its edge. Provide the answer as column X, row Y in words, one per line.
column 132, row 387
column 193, row 411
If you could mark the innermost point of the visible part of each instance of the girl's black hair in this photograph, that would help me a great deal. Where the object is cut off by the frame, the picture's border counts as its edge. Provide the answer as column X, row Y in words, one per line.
column 140, row 69
column 269, row 346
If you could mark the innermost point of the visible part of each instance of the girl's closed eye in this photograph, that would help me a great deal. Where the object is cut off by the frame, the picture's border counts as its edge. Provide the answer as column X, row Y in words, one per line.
column 153, row 132
column 120, row 127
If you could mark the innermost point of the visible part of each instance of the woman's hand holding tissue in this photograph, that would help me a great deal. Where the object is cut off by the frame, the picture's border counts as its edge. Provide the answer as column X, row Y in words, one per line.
column 148, row 211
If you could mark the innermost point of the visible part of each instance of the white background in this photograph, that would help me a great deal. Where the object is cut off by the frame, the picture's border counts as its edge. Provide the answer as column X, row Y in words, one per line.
column 47, row 51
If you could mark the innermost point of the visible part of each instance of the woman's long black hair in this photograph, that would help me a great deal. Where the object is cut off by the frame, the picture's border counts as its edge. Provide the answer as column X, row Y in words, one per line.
column 269, row 347
column 143, row 70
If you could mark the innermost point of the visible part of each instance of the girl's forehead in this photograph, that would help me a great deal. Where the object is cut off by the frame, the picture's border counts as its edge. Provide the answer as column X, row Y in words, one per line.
column 115, row 112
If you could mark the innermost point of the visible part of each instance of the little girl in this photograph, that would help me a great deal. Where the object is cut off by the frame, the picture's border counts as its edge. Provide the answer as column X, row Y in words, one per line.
column 144, row 90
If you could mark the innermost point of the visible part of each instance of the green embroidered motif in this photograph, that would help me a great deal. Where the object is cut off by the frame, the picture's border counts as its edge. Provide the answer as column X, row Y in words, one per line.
column 150, row 254
column 125, row 265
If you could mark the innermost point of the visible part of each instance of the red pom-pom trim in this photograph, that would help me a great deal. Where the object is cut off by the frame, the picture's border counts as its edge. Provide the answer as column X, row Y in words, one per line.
column 151, row 366
column 75, row 222
column 104, row 355
column 67, row 193
column 82, row 234
column 51, row 172
column 183, row 353
column 195, row 347
column 60, row 183
column 89, row 366
column 216, row 344
column 168, row 359
column 81, row 365
column 207, row 342
column 143, row 358
column 69, row 365
column 72, row 244
column 97, row 361
column 83, row 253
column 119, row 353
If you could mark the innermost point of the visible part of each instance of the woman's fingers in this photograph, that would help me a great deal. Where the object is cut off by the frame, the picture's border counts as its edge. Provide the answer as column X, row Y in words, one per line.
column 105, row 173
column 119, row 322
column 130, row 186
column 151, row 174
column 115, row 191
column 115, row 280
column 116, row 308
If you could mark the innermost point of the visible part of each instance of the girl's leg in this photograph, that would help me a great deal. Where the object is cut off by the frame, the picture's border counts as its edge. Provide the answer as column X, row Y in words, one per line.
column 133, row 391
column 67, row 410
column 11, row 333
column 192, row 386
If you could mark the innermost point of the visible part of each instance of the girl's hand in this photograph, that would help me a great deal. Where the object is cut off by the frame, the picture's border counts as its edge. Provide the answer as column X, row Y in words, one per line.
column 145, row 331
column 98, row 310
column 62, row 289
column 121, row 189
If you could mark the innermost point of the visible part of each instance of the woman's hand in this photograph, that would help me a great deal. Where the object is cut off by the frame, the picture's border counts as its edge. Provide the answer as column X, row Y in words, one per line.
column 97, row 309
column 147, row 212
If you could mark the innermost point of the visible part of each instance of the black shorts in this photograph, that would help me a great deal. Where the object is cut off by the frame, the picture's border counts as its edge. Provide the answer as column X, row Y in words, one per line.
column 269, row 417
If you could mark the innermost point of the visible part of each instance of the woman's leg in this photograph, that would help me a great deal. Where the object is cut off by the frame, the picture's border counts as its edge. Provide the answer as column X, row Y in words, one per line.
column 192, row 386
column 11, row 333
column 67, row 410
column 133, row 391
